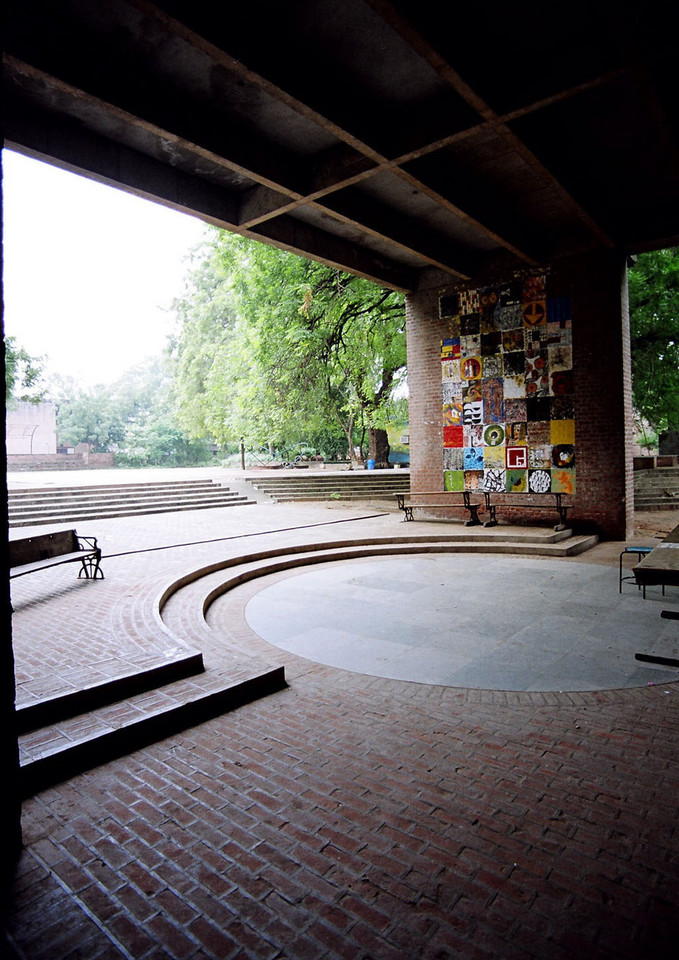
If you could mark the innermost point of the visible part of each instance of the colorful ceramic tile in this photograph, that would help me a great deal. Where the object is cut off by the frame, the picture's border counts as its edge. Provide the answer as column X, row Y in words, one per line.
column 450, row 370
column 559, row 310
column 453, row 436
column 450, row 348
column 561, row 408
column 447, row 305
column 514, row 364
column 534, row 288
column 453, row 480
column 516, row 481
column 561, row 383
column 471, row 368
column 492, row 366
column 540, row 457
column 537, row 408
column 472, row 412
column 516, row 433
column 450, row 392
column 473, row 458
column 516, row 458
column 468, row 301
column 473, row 479
column 510, row 317
column 560, row 357
column 558, row 333
column 470, row 345
column 539, row 432
column 494, row 458
column 494, row 480
column 515, row 388
column 562, row 431
column 493, row 396
column 470, row 325
column 539, row 481
column 534, row 313
column 452, row 414
column 563, row 456
column 537, row 374
column 513, row 340
column 491, row 343
column 473, row 435
column 453, row 458
column 494, row 435
column 510, row 294
column 515, row 410
column 563, row 481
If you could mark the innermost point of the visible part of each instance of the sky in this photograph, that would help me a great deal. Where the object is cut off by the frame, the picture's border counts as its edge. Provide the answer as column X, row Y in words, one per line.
column 89, row 272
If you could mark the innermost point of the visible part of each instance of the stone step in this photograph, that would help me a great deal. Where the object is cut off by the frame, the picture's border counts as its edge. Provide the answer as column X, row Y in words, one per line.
column 183, row 606
column 64, row 505
column 95, row 502
column 368, row 485
column 55, row 753
column 114, row 489
column 42, row 712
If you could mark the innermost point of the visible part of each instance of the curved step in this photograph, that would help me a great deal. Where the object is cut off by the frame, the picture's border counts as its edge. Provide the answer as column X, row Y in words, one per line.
column 185, row 616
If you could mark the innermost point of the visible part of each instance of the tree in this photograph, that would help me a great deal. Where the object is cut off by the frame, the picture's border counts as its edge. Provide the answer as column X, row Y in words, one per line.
column 23, row 374
column 654, row 326
column 278, row 348
column 133, row 418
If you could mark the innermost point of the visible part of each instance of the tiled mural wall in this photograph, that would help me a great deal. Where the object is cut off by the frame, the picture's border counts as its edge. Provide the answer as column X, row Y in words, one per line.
column 507, row 390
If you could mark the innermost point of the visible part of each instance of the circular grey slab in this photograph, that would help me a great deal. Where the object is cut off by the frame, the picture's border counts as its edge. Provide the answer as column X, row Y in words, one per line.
column 492, row 622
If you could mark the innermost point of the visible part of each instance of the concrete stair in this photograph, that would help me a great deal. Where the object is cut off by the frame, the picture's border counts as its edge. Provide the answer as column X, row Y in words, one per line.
column 43, row 505
column 657, row 489
column 332, row 485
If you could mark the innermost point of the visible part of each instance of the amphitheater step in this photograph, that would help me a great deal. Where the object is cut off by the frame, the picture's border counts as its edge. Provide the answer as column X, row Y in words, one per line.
column 30, row 507
column 53, row 754
column 332, row 485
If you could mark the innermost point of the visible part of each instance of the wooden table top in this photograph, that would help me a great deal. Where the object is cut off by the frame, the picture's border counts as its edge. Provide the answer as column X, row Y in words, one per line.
column 661, row 565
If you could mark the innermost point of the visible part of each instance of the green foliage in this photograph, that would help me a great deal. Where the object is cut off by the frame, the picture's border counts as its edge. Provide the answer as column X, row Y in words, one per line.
column 654, row 323
column 134, row 418
column 23, row 374
column 279, row 349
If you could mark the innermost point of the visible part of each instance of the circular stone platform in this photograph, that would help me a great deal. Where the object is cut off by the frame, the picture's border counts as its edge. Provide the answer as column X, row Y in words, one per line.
column 491, row 622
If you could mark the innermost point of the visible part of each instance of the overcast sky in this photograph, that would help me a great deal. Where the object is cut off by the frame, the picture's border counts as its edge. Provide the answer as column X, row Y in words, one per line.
column 89, row 271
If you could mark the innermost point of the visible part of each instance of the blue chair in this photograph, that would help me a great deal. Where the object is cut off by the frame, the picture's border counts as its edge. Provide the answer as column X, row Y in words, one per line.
column 640, row 553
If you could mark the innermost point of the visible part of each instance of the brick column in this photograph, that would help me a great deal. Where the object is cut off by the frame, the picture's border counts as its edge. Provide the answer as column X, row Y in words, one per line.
column 597, row 285
column 603, row 391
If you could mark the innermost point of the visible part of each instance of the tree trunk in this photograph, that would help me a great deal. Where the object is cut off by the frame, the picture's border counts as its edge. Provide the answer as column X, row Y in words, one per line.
column 378, row 447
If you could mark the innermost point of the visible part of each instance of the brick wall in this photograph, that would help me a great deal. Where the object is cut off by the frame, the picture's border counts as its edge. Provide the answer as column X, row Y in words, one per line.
column 60, row 461
column 604, row 498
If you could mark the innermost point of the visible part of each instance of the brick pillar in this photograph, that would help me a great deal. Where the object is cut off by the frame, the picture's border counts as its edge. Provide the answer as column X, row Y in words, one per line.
column 596, row 283
column 603, row 391
column 424, row 332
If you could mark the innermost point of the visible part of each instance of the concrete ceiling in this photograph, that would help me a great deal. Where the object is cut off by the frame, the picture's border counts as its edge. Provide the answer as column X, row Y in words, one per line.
column 401, row 140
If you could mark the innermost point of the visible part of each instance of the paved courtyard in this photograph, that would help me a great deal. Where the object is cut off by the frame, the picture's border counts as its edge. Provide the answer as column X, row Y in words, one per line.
column 352, row 814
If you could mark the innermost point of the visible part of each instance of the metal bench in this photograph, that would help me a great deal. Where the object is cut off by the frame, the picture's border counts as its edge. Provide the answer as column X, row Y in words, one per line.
column 51, row 549
column 409, row 502
column 513, row 501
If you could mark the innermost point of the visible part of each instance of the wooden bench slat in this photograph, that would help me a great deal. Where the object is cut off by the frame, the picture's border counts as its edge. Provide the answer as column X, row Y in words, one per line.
column 39, row 552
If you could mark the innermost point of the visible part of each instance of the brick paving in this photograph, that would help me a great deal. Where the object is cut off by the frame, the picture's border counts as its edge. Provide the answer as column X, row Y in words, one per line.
column 345, row 816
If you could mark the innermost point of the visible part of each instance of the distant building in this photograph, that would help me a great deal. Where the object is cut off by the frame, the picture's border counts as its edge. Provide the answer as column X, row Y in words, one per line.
column 31, row 428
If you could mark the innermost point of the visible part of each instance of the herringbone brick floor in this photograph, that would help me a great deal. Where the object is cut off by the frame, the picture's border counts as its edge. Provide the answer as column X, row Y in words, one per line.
column 355, row 817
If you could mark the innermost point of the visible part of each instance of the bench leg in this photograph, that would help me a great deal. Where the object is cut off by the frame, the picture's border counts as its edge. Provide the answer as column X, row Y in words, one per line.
column 90, row 569
column 474, row 516
column 408, row 511
column 492, row 519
